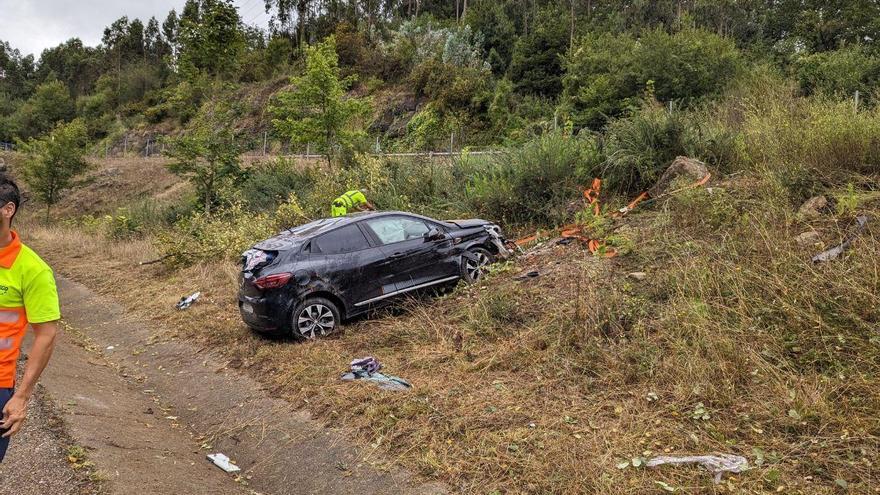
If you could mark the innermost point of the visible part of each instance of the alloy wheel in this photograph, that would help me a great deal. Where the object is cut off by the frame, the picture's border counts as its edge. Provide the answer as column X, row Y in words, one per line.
column 315, row 320
column 476, row 267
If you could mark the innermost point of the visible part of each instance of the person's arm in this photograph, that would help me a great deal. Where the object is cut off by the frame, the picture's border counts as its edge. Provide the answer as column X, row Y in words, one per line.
column 16, row 409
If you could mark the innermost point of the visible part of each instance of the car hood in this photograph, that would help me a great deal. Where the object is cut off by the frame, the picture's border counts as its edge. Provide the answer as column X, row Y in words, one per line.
column 470, row 224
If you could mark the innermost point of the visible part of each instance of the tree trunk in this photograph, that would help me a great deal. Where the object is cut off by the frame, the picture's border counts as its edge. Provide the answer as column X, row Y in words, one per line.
column 571, row 32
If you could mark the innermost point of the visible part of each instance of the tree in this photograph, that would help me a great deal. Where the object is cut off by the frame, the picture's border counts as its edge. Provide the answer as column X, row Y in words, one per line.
column 316, row 110
column 536, row 65
column 54, row 161
column 213, row 42
column 51, row 103
column 207, row 155
column 607, row 74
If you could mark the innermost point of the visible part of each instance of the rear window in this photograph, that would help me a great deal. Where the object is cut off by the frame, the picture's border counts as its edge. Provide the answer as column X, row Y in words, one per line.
column 345, row 240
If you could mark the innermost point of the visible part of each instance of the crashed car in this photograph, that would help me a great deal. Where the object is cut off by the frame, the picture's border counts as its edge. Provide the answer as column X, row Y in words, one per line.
column 307, row 280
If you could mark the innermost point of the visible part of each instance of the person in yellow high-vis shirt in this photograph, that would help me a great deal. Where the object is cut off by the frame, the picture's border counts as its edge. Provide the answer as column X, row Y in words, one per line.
column 351, row 200
column 27, row 296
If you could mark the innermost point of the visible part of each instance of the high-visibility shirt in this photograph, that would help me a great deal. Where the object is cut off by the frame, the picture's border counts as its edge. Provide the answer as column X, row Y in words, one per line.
column 27, row 295
column 347, row 201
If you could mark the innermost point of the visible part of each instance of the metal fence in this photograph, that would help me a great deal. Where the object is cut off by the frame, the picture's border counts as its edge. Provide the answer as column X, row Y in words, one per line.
column 261, row 146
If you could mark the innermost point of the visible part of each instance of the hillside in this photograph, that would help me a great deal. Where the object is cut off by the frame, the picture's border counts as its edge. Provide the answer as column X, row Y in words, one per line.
column 732, row 342
column 711, row 330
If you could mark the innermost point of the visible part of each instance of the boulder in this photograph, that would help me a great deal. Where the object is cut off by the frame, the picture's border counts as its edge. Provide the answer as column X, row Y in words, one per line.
column 812, row 208
column 809, row 238
column 690, row 168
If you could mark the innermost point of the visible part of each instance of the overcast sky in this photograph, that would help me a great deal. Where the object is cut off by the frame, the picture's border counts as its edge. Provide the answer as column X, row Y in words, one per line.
column 34, row 25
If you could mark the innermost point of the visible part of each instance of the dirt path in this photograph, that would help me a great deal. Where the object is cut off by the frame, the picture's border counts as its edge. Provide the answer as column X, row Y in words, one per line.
column 148, row 411
column 36, row 463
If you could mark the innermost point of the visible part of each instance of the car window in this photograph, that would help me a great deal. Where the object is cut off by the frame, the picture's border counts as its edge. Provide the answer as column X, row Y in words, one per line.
column 396, row 229
column 345, row 240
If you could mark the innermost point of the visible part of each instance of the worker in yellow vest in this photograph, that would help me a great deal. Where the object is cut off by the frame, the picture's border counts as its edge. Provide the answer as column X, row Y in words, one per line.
column 351, row 200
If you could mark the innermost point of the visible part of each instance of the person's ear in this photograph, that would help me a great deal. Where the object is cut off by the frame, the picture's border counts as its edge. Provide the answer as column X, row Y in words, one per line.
column 8, row 211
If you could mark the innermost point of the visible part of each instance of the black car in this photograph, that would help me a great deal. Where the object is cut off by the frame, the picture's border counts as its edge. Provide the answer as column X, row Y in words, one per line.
column 308, row 279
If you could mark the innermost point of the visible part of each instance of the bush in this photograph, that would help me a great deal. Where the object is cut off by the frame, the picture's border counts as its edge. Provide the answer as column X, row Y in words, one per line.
column 534, row 182
column 606, row 74
column 226, row 233
column 839, row 72
column 268, row 184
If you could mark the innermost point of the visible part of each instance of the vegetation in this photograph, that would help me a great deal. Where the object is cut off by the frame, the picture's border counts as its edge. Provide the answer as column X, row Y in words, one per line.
column 54, row 161
column 317, row 111
column 208, row 154
column 733, row 341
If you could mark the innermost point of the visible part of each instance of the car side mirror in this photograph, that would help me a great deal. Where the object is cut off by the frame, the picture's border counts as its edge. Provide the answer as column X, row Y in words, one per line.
column 434, row 234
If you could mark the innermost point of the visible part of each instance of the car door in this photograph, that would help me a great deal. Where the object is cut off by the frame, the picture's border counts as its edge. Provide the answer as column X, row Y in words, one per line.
column 412, row 259
column 351, row 265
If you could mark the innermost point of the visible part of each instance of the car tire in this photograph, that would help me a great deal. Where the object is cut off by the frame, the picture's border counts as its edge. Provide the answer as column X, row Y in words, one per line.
column 472, row 271
column 314, row 317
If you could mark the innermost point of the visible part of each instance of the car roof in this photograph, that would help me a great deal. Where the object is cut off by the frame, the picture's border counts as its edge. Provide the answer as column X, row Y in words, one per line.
column 323, row 225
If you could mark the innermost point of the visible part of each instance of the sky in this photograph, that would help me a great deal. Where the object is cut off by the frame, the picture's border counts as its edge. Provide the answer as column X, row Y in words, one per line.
column 34, row 25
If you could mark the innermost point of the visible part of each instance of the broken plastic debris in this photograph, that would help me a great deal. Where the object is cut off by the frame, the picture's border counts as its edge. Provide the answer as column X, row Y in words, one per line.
column 716, row 464
column 186, row 302
column 527, row 275
column 837, row 250
column 252, row 258
column 223, row 462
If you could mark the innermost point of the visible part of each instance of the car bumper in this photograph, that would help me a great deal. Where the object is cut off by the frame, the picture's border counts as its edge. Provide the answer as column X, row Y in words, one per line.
column 260, row 314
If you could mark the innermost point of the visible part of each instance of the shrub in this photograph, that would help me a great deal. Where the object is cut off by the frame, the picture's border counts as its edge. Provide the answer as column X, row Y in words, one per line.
column 837, row 72
column 267, row 184
column 534, row 182
column 606, row 74
column 226, row 233
column 639, row 148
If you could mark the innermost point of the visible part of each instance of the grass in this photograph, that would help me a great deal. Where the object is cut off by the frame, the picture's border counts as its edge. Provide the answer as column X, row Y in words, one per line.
column 734, row 342
column 548, row 385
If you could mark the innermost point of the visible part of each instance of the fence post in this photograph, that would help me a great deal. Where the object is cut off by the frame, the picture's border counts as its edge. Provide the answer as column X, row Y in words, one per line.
column 124, row 146
column 265, row 137
column 856, row 102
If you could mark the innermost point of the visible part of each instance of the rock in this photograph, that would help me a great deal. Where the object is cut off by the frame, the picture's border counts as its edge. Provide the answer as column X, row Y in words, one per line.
column 809, row 238
column 638, row 275
column 682, row 166
column 812, row 208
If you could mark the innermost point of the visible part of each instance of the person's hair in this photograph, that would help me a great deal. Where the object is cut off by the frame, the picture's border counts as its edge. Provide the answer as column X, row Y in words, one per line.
column 9, row 193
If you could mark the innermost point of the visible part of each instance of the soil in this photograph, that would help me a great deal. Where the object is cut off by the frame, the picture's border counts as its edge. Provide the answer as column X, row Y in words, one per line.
column 148, row 410
column 36, row 462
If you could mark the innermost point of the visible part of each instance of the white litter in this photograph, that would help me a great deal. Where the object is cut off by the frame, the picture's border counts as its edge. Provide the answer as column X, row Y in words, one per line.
column 186, row 302
column 716, row 464
column 223, row 462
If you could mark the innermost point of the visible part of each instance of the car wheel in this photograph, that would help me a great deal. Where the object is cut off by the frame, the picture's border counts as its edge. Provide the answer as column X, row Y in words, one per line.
column 315, row 317
column 474, row 268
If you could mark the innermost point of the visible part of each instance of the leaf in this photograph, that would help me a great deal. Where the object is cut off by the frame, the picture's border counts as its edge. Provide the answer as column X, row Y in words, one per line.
column 665, row 486
column 793, row 414
column 636, row 461
column 759, row 456
column 623, row 465
column 841, row 483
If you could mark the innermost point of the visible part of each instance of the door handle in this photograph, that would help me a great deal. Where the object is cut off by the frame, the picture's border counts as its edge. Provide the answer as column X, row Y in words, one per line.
column 395, row 256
